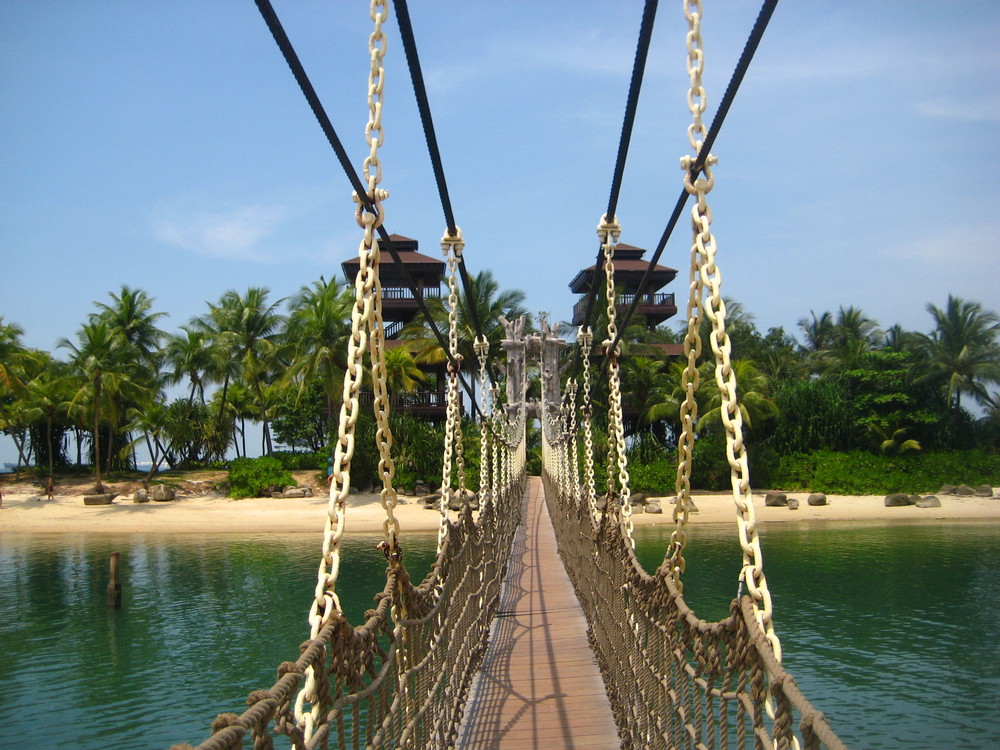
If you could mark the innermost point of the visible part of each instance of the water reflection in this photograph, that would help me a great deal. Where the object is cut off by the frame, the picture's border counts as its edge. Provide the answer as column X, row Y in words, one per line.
column 893, row 631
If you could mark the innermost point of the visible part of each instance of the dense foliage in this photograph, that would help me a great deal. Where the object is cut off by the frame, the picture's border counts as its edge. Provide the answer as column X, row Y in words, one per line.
column 853, row 407
column 256, row 477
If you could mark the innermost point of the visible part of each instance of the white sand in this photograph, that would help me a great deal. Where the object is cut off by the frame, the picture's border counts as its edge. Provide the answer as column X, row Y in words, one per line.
column 23, row 511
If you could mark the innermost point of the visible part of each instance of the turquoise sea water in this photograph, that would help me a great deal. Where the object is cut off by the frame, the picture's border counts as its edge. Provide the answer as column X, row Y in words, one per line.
column 892, row 631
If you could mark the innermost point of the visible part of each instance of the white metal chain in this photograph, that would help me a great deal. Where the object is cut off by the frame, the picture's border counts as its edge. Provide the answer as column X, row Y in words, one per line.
column 452, row 246
column 585, row 338
column 482, row 350
column 366, row 328
column 704, row 250
column 608, row 230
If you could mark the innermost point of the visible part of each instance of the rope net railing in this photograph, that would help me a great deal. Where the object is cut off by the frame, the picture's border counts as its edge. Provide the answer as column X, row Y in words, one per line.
column 673, row 679
column 400, row 678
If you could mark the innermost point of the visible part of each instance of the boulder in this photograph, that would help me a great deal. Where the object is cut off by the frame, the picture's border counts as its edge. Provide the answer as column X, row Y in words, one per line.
column 964, row 490
column 897, row 500
column 637, row 498
column 914, row 499
column 817, row 498
column 353, row 491
column 140, row 496
column 775, row 499
column 102, row 499
column 421, row 488
column 162, row 493
column 928, row 502
column 653, row 507
column 947, row 489
column 793, row 504
column 294, row 492
column 277, row 494
column 431, row 500
column 984, row 490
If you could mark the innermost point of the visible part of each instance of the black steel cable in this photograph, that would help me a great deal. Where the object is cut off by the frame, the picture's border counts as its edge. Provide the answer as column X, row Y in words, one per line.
column 292, row 59
column 423, row 106
column 632, row 104
column 749, row 49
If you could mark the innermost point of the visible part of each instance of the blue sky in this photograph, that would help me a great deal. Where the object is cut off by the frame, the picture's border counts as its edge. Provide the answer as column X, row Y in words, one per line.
column 167, row 147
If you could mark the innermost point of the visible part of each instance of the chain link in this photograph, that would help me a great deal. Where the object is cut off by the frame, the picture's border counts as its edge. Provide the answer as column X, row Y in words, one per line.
column 608, row 230
column 710, row 278
column 452, row 246
column 585, row 338
column 367, row 332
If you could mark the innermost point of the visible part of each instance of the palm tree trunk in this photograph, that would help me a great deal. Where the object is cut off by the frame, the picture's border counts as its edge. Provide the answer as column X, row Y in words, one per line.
column 22, row 460
column 48, row 435
column 97, row 436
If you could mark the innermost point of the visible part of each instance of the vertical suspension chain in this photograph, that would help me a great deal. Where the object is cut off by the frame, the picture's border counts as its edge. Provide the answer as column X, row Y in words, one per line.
column 704, row 248
column 585, row 338
column 365, row 322
column 482, row 350
column 452, row 246
column 574, row 447
column 608, row 230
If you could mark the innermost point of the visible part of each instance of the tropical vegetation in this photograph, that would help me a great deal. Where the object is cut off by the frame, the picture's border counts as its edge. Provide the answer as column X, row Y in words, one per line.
column 121, row 386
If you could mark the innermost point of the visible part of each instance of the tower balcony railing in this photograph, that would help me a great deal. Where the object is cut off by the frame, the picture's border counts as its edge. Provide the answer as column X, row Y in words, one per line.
column 647, row 300
column 402, row 292
column 428, row 403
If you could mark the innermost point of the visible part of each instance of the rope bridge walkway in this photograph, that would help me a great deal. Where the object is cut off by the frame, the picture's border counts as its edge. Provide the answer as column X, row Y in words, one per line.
column 488, row 651
column 539, row 684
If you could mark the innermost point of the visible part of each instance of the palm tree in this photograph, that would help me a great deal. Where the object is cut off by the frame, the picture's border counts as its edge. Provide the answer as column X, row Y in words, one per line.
column 106, row 365
column 401, row 372
column 485, row 303
column 853, row 325
column 13, row 356
column 248, row 329
column 49, row 396
column 129, row 316
column 151, row 424
column 898, row 339
column 961, row 355
column 191, row 355
column 318, row 328
column 755, row 403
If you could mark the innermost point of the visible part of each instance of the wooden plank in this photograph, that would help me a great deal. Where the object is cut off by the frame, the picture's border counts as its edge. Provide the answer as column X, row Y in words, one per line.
column 538, row 685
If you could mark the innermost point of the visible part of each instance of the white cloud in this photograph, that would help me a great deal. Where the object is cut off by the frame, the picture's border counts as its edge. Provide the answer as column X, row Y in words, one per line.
column 235, row 234
column 971, row 109
column 970, row 247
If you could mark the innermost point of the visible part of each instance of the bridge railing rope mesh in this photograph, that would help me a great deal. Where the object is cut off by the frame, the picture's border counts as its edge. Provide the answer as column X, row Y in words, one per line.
column 399, row 679
column 673, row 679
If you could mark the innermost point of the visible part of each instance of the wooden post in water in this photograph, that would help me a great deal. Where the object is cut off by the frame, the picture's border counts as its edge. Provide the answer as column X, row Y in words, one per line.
column 114, row 586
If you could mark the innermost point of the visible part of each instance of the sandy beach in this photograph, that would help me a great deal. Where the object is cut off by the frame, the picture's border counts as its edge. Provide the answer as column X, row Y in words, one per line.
column 199, row 511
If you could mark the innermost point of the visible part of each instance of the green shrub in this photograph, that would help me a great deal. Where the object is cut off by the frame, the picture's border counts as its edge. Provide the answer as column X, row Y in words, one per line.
column 294, row 461
column 863, row 473
column 251, row 477
column 655, row 477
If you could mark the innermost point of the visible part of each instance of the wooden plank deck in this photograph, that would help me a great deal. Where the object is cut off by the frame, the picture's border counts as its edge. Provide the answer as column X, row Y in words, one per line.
column 539, row 685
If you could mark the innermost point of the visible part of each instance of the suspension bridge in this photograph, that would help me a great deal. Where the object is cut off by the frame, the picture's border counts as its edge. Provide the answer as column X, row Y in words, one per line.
column 536, row 625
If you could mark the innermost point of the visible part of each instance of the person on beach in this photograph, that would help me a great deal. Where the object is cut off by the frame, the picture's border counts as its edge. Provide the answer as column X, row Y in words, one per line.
column 49, row 488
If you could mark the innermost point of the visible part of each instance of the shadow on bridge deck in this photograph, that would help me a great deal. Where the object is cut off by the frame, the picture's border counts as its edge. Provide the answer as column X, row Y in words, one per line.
column 539, row 685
